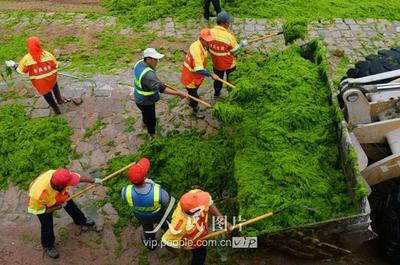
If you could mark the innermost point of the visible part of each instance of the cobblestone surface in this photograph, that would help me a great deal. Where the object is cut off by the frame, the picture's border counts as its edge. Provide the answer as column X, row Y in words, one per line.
column 108, row 99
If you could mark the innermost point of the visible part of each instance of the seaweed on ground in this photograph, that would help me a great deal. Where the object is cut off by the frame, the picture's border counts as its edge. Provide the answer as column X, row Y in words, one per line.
column 180, row 162
column 282, row 149
column 29, row 147
column 286, row 144
column 295, row 29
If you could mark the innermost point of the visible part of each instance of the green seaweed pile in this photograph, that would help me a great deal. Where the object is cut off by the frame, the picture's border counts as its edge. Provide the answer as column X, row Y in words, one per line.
column 180, row 162
column 29, row 147
column 286, row 141
column 281, row 148
column 293, row 30
column 140, row 12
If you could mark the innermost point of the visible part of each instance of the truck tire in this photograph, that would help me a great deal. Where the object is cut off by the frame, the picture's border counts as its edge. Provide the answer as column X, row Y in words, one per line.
column 386, row 60
column 385, row 197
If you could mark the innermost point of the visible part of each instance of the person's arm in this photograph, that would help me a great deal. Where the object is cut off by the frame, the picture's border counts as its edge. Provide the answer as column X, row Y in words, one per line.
column 88, row 179
column 207, row 74
column 150, row 80
column 236, row 48
column 170, row 91
column 164, row 199
column 53, row 208
column 198, row 63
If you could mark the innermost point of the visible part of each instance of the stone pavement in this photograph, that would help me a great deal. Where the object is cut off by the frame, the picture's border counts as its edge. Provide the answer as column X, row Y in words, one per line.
column 108, row 101
column 108, row 123
column 355, row 38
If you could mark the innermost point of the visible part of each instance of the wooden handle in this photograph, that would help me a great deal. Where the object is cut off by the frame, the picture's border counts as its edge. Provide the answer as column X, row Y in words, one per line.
column 248, row 222
column 91, row 186
column 265, row 37
column 226, row 83
column 191, row 97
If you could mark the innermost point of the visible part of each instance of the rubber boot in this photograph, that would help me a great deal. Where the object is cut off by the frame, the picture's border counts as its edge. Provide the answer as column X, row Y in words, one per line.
column 55, row 108
column 58, row 96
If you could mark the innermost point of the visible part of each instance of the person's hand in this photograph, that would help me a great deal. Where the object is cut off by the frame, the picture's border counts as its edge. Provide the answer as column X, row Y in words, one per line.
column 229, row 227
column 183, row 95
column 98, row 181
column 10, row 63
column 214, row 76
column 244, row 43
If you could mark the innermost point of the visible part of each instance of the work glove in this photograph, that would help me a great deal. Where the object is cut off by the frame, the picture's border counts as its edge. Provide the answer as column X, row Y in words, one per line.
column 98, row 181
column 243, row 43
column 10, row 63
column 214, row 76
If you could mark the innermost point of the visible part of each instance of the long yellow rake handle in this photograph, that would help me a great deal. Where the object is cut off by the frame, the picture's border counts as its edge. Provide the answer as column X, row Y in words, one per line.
column 264, row 37
column 226, row 83
column 248, row 222
column 94, row 185
column 191, row 97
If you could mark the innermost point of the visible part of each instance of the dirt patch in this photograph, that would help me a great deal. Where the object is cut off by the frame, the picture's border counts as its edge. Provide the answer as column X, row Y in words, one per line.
column 54, row 6
column 159, row 42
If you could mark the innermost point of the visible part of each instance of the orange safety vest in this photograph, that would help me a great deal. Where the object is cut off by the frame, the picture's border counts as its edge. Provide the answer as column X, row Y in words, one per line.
column 43, row 75
column 195, row 235
column 220, row 48
column 189, row 77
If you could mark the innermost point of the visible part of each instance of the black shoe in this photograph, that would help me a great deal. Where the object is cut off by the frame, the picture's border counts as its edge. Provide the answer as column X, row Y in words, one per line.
column 89, row 222
column 147, row 243
column 52, row 252
column 198, row 114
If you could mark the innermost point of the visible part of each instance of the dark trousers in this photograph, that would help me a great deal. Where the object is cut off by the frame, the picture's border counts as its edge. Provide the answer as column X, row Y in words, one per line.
column 220, row 74
column 49, row 96
column 216, row 5
column 193, row 93
column 46, row 221
column 148, row 117
column 199, row 255
column 148, row 225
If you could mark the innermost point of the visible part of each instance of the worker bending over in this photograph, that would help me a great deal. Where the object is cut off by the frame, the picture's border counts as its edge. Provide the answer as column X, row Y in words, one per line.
column 47, row 193
column 41, row 66
column 148, row 199
column 194, row 68
column 147, row 88
column 223, row 49
column 190, row 223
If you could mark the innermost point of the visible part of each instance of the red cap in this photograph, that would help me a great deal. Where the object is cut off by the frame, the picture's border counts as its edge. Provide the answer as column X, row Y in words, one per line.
column 205, row 34
column 194, row 199
column 64, row 177
column 137, row 172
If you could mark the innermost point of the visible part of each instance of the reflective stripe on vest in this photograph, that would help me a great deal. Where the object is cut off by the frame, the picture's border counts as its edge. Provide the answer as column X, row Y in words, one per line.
column 138, row 80
column 43, row 75
column 219, row 53
column 155, row 190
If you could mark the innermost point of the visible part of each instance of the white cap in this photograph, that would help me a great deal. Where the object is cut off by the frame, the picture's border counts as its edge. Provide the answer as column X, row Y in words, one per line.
column 152, row 53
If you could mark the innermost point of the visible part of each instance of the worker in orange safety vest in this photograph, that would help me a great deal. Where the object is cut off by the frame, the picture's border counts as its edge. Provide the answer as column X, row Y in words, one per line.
column 47, row 193
column 190, row 223
column 223, row 49
column 194, row 68
column 41, row 66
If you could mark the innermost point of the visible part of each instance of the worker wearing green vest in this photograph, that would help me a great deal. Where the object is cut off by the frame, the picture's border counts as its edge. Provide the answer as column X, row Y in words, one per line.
column 147, row 88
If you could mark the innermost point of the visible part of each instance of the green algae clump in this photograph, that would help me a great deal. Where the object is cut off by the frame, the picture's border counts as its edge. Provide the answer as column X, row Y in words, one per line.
column 29, row 147
column 295, row 29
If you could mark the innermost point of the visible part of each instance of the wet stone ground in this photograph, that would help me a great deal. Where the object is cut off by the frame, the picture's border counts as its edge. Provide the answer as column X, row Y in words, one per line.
column 108, row 107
